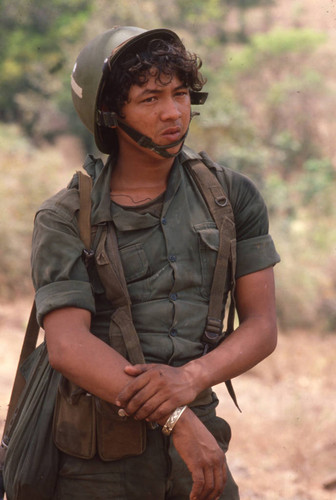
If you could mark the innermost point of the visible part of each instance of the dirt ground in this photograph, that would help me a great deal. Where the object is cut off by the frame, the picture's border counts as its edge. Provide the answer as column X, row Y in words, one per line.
column 284, row 441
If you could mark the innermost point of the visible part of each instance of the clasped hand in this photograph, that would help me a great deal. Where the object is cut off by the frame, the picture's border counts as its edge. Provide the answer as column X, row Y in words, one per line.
column 156, row 391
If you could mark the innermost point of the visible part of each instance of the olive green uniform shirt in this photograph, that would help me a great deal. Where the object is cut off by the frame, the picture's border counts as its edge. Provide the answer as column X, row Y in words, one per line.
column 168, row 260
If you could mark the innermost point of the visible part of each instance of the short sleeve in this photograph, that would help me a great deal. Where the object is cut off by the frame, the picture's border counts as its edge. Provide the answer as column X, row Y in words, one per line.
column 59, row 274
column 255, row 254
column 255, row 246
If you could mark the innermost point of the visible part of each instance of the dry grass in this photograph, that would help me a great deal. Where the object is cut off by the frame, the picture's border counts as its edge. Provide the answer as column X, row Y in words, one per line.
column 283, row 445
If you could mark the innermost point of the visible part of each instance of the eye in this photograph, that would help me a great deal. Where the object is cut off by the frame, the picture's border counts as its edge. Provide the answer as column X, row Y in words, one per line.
column 150, row 99
column 182, row 93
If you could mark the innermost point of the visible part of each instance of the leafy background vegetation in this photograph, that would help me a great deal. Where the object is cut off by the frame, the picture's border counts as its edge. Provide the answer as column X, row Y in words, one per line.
column 269, row 115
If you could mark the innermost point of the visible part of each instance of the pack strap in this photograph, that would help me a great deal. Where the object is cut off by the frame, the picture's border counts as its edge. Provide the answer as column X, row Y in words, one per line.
column 221, row 211
column 122, row 333
column 115, row 284
column 123, row 336
column 84, row 215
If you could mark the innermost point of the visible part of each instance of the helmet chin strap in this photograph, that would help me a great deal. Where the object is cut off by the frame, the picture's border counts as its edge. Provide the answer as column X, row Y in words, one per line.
column 112, row 120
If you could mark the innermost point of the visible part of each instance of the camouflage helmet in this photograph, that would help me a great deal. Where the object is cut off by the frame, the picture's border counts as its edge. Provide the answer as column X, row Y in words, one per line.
column 102, row 54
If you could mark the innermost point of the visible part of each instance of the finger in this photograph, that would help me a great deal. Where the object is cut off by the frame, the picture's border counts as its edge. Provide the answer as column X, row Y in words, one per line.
column 219, row 480
column 130, row 390
column 151, row 381
column 198, row 484
column 225, row 472
column 146, row 404
column 162, row 412
column 155, row 411
column 153, row 403
column 151, row 412
column 135, row 370
column 209, row 484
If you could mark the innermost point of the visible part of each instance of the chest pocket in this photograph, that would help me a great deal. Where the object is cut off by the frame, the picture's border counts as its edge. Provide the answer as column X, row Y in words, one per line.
column 137, row 270
column 208, row 243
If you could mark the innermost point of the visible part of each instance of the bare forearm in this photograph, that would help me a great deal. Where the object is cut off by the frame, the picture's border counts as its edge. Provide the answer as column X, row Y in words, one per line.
column 82, row 357
column 253, row 341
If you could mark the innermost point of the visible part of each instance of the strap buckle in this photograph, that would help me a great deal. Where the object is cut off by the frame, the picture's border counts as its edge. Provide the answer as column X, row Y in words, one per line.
column 4, row 445
column 212, row 334
column 221, row 201
column 107, row 119
column 87, row 256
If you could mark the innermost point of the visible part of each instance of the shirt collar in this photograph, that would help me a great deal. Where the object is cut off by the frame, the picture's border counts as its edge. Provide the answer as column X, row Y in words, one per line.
column 101, row 174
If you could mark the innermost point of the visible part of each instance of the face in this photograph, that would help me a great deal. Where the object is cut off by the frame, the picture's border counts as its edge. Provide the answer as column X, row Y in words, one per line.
column 161, row 112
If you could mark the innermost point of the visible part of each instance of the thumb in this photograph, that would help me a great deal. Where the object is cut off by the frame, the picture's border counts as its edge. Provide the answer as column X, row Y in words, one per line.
column 135, row 370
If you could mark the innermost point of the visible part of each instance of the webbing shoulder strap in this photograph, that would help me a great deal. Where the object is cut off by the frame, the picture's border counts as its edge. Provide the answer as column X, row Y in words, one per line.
column 221, row 211
column 84, row 216
column 123, row 336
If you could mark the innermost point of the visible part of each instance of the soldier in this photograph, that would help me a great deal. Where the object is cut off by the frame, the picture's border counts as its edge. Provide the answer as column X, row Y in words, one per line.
column 134, row 89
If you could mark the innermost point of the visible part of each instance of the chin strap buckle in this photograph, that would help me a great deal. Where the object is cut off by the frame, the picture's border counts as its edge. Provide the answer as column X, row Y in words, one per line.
column 107, row 119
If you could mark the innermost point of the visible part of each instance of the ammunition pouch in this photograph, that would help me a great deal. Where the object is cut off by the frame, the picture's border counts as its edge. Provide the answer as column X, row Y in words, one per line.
column 85, row 425
column 118, row 437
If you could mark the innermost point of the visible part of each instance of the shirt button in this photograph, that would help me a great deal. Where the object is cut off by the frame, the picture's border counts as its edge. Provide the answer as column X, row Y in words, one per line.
column 172, row 258
column 173, row 296
column 173, row 332
column 164, row 220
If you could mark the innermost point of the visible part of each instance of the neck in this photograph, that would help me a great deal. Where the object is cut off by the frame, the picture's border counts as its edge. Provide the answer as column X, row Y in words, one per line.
column 140, row 176
column 141, row 169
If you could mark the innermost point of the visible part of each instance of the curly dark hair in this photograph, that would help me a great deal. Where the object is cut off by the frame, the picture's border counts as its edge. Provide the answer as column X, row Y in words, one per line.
column 163, row 59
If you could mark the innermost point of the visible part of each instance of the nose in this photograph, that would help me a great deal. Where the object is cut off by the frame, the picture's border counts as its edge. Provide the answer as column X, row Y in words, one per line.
column 170, row 110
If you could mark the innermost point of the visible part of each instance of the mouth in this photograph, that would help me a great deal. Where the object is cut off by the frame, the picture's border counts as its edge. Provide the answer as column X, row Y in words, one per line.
column 171, row 134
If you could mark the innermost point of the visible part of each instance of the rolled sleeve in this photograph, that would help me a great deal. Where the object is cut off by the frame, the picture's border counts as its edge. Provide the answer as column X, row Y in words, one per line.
column 59, row 274
column 63, row 294
column 255, row 254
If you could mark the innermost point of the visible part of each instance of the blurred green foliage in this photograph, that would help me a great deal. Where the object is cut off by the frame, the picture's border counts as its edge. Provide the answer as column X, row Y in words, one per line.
column 35, row 40
column 268, row 115
column 272, row 47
